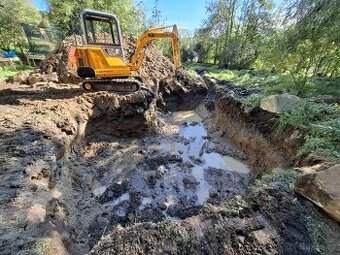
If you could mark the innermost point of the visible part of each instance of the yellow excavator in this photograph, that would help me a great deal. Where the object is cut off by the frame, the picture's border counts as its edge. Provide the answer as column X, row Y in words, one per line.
column 100, row 61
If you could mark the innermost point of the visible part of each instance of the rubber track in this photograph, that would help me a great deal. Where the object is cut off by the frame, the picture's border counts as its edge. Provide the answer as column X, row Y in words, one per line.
column 108, row 82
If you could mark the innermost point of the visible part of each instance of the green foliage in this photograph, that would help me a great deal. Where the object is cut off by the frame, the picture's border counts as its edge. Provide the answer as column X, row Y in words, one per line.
column 14, row 13
column 305, row 114
column 306, row 45
column 285, row 177
column 298, row 41
column 184, row 237
column 7, row 72
column 42, row 246
column 321, row 123
column 64, row 15
column 232, row 32
column 271, row 83
column 253, row 100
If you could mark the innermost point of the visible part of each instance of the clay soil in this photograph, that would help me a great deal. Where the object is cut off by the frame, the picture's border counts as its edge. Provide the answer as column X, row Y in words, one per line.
column 171, row 170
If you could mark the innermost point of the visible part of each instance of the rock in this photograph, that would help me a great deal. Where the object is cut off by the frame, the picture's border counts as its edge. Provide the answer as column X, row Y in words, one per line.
column 162, row 206
column 35, row 78
column 262, row 236
column 160, row 172
column 197, row 160
column 21, row 77
column 323, row 189
column 52, row 77
column 36, row 214
column 241, row 239
column 190, row 182
column 278, row 103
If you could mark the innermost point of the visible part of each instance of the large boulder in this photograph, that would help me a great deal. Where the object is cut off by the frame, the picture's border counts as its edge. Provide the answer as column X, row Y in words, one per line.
column 278, row 103
column 323, row 189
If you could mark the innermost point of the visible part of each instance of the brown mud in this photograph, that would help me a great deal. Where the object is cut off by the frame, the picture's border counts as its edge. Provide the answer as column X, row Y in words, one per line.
column 165, row 171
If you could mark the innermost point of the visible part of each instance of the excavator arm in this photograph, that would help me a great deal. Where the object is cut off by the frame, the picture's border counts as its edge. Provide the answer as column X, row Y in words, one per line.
column 151, row 35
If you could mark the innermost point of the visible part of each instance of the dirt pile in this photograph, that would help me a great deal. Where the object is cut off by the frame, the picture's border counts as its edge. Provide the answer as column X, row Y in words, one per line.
column 58, row 128
column 155, row 64
column 114, row 115
column 182, row 90
column 56, row 62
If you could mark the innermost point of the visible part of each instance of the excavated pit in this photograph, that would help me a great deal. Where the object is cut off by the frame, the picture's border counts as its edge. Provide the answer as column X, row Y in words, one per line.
column 91, row 172
column 161, row 172
column 106, row 160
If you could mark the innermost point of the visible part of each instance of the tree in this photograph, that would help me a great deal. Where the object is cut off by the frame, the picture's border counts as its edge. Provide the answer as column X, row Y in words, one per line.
column 64, row 15
column 305, row 44
column 233, row 31
column 13, row 14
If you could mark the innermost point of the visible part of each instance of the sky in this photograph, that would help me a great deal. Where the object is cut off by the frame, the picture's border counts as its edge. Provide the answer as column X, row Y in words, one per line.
column 187, row 14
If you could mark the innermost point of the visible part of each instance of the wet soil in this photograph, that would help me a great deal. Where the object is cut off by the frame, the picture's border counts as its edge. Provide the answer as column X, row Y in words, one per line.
column 110, row 174
column 77, row 164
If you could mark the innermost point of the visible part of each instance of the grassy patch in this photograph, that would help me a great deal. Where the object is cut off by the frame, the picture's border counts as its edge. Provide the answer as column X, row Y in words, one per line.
column 321, row 123
column 285, row 177
column 271, row 83
column 42, row 246
column 9, row 71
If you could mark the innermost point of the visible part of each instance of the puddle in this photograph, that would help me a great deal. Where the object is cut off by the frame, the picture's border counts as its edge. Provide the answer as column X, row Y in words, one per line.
column 145, row 201
column 124, row 197
column 219, row 161
column 179, row 173
column 186, row 116
column 192, row 147
column 97, row 188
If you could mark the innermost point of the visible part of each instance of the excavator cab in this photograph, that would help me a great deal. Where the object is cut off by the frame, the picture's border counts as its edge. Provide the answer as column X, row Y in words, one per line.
column 102, row 29
column 100, row 61
column 102, row 54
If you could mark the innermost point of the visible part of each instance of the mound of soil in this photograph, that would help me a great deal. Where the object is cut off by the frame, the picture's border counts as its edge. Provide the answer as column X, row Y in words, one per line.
column 182, row 90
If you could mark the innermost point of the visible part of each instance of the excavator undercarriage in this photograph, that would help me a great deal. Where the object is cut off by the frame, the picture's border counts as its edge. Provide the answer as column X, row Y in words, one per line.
column 118, row 85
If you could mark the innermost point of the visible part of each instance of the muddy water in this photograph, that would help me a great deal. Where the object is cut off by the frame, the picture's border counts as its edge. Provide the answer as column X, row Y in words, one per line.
column 167, row 175
column 171, row 175
column 194, row 148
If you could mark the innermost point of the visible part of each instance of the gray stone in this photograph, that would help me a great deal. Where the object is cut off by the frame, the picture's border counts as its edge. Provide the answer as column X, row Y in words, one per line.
column 211, row 82
column 278, row 103
column 52, row 77
column 262, row 236
column 323, row 189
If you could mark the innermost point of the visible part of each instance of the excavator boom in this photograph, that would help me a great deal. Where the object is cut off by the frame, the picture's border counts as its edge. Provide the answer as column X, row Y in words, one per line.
column 151, row 35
